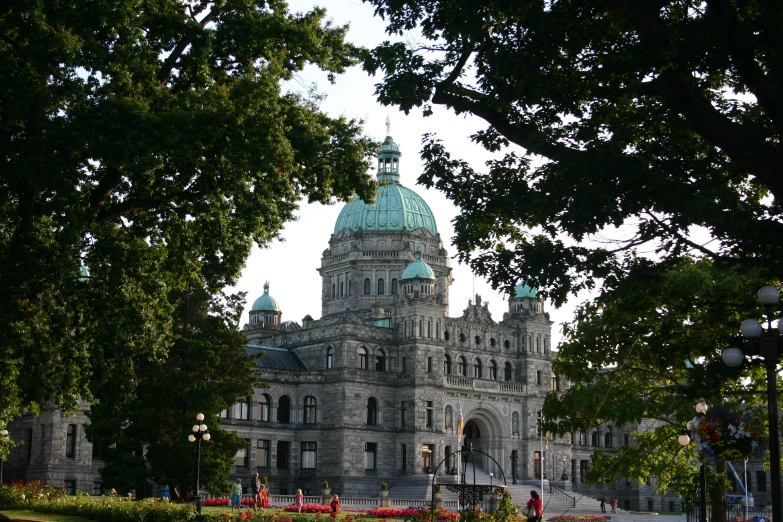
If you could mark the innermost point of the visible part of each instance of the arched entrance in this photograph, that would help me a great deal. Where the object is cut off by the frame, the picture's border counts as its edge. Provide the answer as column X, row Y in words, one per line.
column 484, row 431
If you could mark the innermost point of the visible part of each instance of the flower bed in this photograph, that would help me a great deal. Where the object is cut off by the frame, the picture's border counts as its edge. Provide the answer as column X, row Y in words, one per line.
column 308, row 508
column 50, row 499
column 224, row 501
column 410, row 513
column 575, row 518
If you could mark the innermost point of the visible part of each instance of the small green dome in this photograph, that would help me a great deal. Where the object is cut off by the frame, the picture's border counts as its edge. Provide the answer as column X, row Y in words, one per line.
column 265, row 303
column 84, row 273
column 418, row 269
column 523, row 290
column 388, row 145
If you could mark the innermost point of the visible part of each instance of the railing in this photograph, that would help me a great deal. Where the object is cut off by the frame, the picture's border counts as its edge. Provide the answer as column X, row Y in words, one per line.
column 562, row 495
column 733, row 512
column 381, row 253
column 484, row 384
column 369, row 503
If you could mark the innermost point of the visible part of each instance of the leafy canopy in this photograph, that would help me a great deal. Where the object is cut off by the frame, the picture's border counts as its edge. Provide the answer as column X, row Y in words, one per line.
column 654, row 116
column 151, row 142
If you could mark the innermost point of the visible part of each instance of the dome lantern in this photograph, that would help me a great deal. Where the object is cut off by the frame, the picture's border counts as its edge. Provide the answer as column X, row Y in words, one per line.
column 265, row 310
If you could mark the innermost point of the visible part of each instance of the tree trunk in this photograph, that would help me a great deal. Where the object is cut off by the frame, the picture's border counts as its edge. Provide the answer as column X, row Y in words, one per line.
column 719, row 492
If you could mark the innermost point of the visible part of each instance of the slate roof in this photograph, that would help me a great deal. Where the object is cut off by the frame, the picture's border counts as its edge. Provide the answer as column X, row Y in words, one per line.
column 276, row 357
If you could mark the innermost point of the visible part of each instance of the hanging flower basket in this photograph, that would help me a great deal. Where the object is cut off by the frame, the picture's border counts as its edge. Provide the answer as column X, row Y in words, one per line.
column 728, row 432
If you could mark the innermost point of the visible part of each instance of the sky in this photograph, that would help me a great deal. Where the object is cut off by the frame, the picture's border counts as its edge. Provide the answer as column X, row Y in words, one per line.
column 290, row 266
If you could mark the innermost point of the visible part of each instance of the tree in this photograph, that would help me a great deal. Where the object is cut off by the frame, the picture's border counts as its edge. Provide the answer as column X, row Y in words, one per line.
column 646, row 353
column 654, row 116
column 147, row 144
column 141, row 420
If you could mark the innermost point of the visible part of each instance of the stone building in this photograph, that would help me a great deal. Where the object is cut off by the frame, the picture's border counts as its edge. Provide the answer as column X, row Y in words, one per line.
column 372, row 391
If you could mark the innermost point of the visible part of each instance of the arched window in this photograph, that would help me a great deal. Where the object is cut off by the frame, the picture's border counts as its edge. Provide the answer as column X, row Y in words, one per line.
column 506, row 344
column 263, row 408
column 477, row 339
column 446, row 365
column 395, row 286
column 462, row 366
column 477, row 368
column 515, row 423
column 309, row 410
column 329, row 358
column 333, row 291
column 342, row 289
column 380, row 361
column 363, row 358
column 372, row 411
column 492, row 342
column 594, row 439
column 493, row 370
column 462, row 337
column 507, row 371
column 449, row 418
column 446, row 335
column 284, row 410
column 366, row 286
column 608, row 437
column 381, row 287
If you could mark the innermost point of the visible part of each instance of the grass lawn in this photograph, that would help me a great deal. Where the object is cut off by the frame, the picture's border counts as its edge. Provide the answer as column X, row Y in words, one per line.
column 40, row 517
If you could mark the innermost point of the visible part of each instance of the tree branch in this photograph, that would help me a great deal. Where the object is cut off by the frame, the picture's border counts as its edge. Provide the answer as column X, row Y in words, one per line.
column 741, row 51
column 105, row 187
column 133, row 206
column 670, row 230
column 757, row 158
column 168, row 64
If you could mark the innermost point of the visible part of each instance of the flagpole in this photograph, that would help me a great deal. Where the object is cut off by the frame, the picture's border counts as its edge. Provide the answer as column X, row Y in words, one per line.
column 542, row 459
column 459, row 451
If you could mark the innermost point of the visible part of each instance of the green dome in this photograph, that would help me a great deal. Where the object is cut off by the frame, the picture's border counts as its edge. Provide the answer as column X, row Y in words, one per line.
column 265, row 303
column 523, row 290
column 418, row 269
column 395, row 208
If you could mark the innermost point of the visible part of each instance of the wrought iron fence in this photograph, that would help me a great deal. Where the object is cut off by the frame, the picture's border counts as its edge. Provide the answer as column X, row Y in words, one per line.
column 734, row 512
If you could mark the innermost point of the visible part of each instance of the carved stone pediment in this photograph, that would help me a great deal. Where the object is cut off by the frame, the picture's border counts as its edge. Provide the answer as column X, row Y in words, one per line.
column 478, row 312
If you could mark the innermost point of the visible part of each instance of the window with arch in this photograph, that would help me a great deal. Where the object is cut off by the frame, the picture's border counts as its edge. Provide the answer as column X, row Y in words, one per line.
column 381, row 287
column 329, row 358
column 506, row 344
column 362, row 358
column 462, row 337
column 594, row 439
column 242, row 410
column 493, row 370
column 477, row 368
column 263, row 407
column 448, row 418
column 492, row 342
column 446, row 335
column 367, row 286
column 477, row 339
column 608, row 437
column 462, row 366
column 309, row 410
column 394, row 286
column 284, row 410
column 380, row 361
column 515, row 423
column 372, row 411
column 507, row 371
column 342, row 289
column 333, row 291
column 446, row 365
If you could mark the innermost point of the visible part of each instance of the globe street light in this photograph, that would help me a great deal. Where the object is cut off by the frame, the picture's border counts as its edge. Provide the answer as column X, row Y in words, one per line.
column 564, row 476
column 684, row 439
column 199, row 433
column 755, row 341
column 3, row 438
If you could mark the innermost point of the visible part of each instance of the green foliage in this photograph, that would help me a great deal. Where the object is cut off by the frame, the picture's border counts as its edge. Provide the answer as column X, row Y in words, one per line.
column 325, row 484
column 47, row 499
column 384, row 486
column 655, row 120
column 506, row 510
column 152, row 143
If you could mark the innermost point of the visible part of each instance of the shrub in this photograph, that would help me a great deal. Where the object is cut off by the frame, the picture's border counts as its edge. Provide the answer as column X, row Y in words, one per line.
column 384, row 486
column 325, row 484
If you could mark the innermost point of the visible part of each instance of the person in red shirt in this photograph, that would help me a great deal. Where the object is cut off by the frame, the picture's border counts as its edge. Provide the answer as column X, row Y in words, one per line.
column 335, row 505
column 613, row 503
column 535, row 508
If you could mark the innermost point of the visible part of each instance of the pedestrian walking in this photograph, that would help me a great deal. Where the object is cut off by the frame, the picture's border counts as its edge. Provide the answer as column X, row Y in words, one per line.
column 335, row 505
column 613, row 503
column 603, row 504
column 236, row 496
column 535, row 507
column 299, row 499
column 264, row 496
column 255, row 484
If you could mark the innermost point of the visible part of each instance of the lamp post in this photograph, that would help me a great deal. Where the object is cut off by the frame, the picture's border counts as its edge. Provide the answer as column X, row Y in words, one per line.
column 684, row 439
column 199, row 433
column 3, row 438
column 755, row 341
column 491, row 476
column 564, row 476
